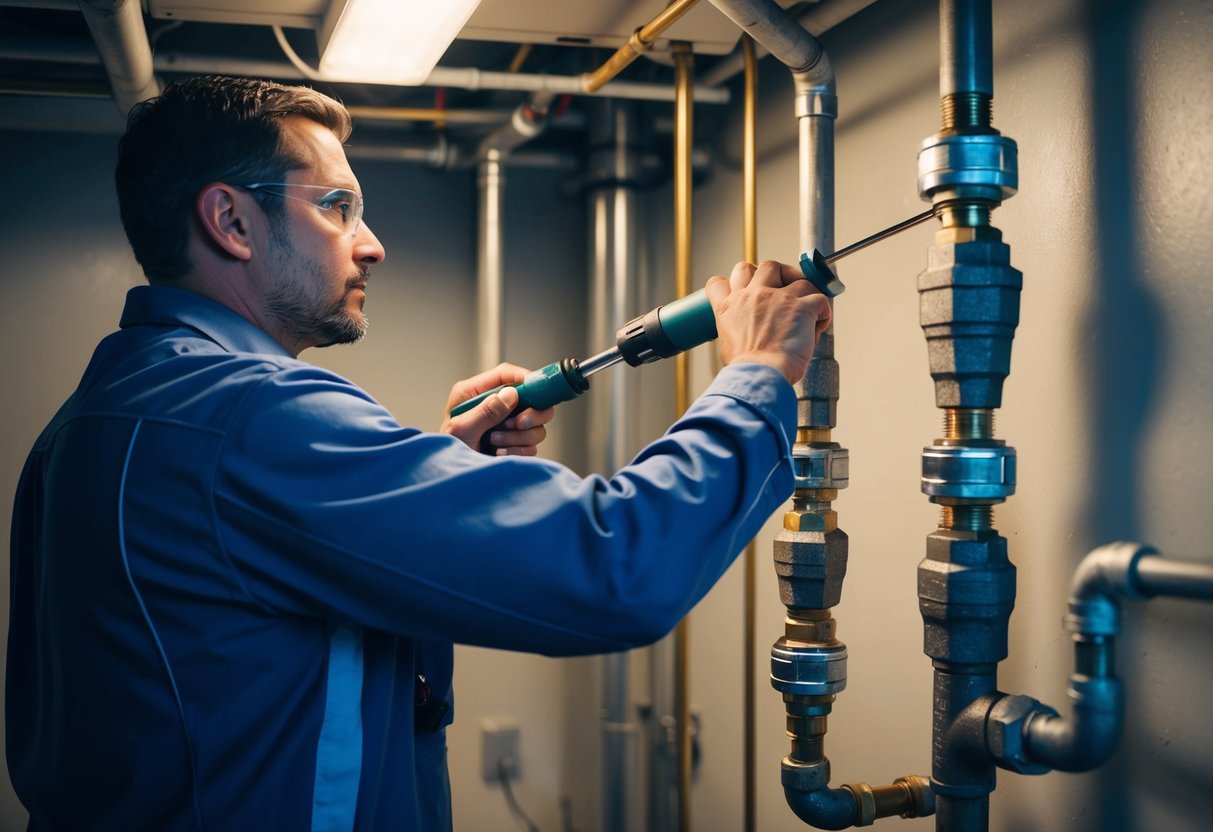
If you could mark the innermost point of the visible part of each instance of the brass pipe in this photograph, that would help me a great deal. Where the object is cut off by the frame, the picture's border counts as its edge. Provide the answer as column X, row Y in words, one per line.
column 749, row 210
column 639, row 43
column 683, row 139
column 431, row 114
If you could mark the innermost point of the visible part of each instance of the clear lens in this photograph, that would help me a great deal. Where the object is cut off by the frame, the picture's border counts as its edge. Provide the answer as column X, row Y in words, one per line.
column 344, row 205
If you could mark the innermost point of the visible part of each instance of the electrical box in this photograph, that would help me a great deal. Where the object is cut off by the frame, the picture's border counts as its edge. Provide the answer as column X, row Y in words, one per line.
column 499, row 741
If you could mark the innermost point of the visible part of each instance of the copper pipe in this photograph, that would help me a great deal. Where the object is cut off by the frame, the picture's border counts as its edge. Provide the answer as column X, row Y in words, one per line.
column 637, row 44
column 749, row 210
column 495, row 116
column 683, row 139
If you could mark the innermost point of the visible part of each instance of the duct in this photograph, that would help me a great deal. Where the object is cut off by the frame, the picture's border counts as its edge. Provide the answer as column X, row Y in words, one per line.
column 615, row 293
column 117, row 28
column 1027, row 737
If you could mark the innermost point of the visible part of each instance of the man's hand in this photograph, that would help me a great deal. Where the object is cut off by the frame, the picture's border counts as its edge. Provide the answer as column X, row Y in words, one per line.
column 768, row 314
column 520, row 435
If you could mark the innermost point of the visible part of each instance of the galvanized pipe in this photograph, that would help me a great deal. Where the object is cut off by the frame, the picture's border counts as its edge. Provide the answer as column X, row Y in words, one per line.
column 490, row 265
column 121, row 39
column 615, row 294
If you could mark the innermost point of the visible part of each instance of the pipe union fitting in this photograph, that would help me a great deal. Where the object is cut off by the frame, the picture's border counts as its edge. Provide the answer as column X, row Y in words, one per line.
column 969, row 166
column 965, row 472
column 808, row 671
column 821, row 467
column 1006, row 733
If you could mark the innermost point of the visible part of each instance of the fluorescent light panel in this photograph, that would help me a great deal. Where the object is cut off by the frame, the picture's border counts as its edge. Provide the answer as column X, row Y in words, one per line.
column 389, row 41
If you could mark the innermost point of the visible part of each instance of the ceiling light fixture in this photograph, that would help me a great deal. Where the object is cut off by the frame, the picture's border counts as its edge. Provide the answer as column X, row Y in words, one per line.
column 388, row 41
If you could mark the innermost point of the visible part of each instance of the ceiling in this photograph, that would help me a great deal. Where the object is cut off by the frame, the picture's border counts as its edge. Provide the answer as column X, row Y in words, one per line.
column 52, row 78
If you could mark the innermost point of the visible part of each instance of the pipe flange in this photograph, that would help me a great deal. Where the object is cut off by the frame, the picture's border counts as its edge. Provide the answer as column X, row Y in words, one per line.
column 969, row 166
column 821, row 467
column 808, row 671
column 965, row 472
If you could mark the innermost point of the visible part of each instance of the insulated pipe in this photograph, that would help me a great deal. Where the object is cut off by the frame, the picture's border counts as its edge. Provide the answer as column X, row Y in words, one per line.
column 683, row 147
column 117, row 28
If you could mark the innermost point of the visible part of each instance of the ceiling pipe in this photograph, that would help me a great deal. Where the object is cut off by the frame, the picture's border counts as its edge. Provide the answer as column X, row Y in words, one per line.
column 117, row 29
column 817, row 20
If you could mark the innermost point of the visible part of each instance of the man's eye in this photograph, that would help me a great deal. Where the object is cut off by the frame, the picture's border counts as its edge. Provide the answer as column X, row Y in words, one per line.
column 339, row 202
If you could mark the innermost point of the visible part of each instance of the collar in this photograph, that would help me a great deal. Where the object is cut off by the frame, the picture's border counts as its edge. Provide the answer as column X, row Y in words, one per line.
column 165, row 305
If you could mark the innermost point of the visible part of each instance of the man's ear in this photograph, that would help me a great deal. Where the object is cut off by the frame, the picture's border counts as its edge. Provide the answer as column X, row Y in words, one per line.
column 224, row 219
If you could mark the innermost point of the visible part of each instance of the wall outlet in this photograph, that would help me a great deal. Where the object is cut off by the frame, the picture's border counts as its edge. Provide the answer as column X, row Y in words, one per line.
column 499, row 741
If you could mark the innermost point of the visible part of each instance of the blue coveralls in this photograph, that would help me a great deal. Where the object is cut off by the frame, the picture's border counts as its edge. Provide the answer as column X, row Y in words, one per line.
column 229, row 568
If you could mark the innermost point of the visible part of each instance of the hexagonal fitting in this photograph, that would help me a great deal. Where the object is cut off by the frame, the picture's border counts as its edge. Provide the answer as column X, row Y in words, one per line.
column 810, row 566
column 966, row 592
column 969, row 308
column 1006, row 733
column 810, row 521
column 821, row 467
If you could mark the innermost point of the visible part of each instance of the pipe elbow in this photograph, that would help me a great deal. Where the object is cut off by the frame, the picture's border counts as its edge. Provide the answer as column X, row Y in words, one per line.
column 1088, row 738
column 1104, row 575
column 823, row 808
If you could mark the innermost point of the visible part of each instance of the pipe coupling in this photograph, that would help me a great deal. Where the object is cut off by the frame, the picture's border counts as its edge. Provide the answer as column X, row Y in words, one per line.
column 803, row 670
column 816, row 103
column 967, row 472
column 1006, row 733
column 804, row 777
column 821, row 467
column 980, row 167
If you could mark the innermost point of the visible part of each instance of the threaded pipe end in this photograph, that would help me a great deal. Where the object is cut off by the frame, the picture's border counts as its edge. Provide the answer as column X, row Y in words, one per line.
column 968, row 423
column 975, row 518
column 966, row 111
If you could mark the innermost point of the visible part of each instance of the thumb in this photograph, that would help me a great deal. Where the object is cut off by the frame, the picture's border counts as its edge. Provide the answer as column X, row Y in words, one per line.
column 496, row 408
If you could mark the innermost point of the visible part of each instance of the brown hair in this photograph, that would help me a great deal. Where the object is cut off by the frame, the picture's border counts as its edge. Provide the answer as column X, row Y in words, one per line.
column 202, row 130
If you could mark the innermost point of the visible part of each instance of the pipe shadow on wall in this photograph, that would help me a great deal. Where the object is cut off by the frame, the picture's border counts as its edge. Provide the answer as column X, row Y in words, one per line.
column 1123, row 336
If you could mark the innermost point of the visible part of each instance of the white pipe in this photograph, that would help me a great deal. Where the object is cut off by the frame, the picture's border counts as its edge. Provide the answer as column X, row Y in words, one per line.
column 117, row 28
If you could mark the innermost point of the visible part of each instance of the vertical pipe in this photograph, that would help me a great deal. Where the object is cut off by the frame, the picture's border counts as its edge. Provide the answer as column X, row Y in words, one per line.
column 683, row 138
column 749, row 189
column 489, row 261
column 614, row 267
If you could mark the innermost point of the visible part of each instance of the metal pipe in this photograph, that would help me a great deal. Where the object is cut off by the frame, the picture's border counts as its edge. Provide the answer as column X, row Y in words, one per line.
column 769, row 24
column 749, row 211
column 817, row 19
column 490, row 264
column 683, row 146
column 469, row 78
column 121, row 39
column 1025, row 735
column 614, row 244
column 639, row 43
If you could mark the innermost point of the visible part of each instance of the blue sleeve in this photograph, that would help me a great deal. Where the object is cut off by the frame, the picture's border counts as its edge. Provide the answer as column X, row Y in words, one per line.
column 328, row 507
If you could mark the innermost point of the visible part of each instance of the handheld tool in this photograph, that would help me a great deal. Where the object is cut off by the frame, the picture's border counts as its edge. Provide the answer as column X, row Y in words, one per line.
column 663, row 332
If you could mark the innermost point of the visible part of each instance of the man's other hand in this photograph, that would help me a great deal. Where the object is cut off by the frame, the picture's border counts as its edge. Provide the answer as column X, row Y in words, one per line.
column 517, row 435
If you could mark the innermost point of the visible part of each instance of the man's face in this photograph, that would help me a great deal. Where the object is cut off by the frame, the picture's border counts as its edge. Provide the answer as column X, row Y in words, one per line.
column 317, row 271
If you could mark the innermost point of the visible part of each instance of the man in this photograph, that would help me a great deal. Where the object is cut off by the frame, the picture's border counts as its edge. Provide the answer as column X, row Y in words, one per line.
column 236, row 580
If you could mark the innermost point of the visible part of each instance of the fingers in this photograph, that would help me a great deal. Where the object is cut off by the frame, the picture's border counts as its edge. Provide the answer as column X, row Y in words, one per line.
column 741, row 275
column 503, row 373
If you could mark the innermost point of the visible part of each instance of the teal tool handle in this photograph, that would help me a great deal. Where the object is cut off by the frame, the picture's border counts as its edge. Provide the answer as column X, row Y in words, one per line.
column 547, row 386
column 668, row 330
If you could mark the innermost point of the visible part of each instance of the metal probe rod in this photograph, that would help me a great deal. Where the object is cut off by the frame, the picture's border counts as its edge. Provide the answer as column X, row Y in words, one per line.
column 880, row 235
column 604, row 359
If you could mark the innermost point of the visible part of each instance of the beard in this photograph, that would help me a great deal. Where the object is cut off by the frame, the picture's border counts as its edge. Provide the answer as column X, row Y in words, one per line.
column 301, row 309
column 301, row 314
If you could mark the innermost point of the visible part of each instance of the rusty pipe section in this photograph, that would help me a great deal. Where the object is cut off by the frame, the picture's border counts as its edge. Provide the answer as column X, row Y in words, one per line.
column 640, row 42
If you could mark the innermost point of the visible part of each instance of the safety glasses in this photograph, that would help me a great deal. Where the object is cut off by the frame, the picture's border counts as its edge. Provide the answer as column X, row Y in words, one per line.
column 341, row 204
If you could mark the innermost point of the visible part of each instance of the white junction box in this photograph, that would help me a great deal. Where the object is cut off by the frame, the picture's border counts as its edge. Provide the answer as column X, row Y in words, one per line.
column 498, row 741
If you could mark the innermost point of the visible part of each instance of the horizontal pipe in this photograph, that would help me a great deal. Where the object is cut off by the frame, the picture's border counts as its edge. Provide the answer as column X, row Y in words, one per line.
column 82, row 52
column 770, row 25
column 637, row 45
column 1174, row 578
